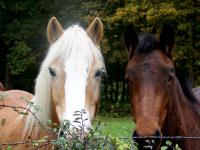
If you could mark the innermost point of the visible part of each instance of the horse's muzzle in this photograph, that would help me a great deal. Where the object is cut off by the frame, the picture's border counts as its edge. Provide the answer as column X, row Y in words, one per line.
column 148, row 142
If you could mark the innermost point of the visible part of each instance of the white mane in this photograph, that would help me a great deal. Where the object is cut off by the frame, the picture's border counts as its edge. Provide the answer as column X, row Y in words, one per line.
column 73, row 43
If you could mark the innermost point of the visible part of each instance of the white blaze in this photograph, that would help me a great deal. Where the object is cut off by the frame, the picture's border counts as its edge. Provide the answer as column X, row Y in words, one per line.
column 76, row 71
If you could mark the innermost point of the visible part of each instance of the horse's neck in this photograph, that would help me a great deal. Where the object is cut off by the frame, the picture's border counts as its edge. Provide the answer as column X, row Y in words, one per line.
column 183, row 118
column 15, row 132
column 36, row 124
column 33, row 125
column 34, row 131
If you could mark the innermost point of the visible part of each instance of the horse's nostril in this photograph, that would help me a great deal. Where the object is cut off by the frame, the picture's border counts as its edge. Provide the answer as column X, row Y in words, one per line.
column 147, row 142
column 135, row 134
column 157, row 133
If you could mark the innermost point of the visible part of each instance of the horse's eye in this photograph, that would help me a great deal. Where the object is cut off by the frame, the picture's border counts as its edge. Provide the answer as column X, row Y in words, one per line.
column 52, row 72
column 100, row 73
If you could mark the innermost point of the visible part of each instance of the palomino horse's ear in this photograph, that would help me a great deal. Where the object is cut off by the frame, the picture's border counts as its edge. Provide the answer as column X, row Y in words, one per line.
column 130, row 39
column 54, row 30
column 167, row 40
column 95, row 31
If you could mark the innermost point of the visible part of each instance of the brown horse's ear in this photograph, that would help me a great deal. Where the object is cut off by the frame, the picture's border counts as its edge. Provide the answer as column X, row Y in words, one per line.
column 95, row 31
column 130, row 39
column 54, row 30
column 167, row 40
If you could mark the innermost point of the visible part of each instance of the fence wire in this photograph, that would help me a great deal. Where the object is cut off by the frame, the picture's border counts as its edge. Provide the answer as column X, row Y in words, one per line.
column 121, row 138
column 169, row 137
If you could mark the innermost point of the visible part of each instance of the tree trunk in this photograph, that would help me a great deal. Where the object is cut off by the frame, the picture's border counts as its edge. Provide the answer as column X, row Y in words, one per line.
column 111, row 91
column 123, row 94
column 191, row 71
column 8, row 79
column 117, row 89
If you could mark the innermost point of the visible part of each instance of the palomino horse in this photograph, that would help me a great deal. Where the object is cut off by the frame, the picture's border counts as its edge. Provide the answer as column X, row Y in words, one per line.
column 68, row 81
column 162, row 103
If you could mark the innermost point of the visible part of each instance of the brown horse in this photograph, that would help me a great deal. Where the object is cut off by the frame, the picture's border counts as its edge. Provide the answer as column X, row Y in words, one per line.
column 68, row 81
column 162, row 103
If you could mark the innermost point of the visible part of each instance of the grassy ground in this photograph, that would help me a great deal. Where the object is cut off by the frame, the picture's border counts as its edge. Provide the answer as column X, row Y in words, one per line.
column 116, row 127
column 119, row 127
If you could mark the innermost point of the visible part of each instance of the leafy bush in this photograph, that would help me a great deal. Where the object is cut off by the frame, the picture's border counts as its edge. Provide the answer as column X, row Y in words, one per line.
column 73, row 137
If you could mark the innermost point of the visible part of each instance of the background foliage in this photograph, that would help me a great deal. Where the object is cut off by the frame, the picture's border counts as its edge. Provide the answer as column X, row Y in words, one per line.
column 23, row 42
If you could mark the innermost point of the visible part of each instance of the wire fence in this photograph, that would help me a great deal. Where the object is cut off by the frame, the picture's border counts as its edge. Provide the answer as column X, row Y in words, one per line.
column 46, row 142
column 25, row 142
column 169, row 137
column 178, row 138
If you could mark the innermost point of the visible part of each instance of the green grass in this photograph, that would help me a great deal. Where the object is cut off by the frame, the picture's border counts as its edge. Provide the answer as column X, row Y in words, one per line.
column 116, row 127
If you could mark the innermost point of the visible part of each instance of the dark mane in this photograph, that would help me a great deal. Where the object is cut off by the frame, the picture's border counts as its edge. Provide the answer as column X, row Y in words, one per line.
column 147, row 43
column 186, row 87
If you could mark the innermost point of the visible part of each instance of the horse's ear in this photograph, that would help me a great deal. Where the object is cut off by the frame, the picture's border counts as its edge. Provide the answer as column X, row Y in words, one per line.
column 130, row 39
column 54, row 30
column 95, row 31
column 167, row 39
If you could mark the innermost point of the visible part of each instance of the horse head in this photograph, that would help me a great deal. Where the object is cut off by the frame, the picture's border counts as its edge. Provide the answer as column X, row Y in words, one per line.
column 150, row 74
column 70, row 75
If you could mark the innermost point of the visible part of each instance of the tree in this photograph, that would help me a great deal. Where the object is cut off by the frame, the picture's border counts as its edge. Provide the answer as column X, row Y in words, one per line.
column 21, row 38
column 23, row 35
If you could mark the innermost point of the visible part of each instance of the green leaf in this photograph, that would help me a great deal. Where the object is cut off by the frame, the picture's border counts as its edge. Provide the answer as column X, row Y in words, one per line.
column 24, row 113
column 76, row 121
column 49, row 121
column 77, row 112
column 9, row 148
column 177, row 147
column 78, row 118
column 168, row 142
column 35, row 144
column 164, row 147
